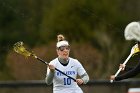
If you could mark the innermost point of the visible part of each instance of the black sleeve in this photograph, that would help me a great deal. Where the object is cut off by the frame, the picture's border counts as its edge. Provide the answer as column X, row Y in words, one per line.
column 131, row 73
column 128, row 68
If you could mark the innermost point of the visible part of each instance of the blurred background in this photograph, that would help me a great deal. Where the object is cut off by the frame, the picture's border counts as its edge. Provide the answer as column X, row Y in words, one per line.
column 94, row 29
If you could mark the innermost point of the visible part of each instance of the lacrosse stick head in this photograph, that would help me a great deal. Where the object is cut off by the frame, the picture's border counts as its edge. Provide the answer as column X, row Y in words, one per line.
column 132, row 31
column 20, row 49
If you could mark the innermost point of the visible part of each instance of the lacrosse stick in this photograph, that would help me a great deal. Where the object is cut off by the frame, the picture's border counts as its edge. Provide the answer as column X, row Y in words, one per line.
column 20, row 49
column 132, row 32
column 130, row 55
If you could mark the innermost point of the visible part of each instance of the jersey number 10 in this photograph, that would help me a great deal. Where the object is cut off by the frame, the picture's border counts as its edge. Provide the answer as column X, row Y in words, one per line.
column 67, row 81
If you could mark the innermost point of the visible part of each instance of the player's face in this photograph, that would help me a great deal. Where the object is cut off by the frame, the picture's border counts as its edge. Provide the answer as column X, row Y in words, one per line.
column 63, row 52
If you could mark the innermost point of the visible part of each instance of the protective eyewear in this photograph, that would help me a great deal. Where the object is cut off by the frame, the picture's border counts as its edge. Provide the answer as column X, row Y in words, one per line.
column 62, row 48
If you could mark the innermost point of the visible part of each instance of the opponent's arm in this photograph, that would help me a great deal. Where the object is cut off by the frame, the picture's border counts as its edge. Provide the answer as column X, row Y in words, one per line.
column 131, row 73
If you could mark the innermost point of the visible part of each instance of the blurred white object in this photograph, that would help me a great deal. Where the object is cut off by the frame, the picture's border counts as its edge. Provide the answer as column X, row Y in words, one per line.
column 132, row 31
column 134, row 90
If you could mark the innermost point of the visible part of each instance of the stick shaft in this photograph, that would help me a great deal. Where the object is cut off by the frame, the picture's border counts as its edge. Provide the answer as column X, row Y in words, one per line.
column 65, row 74
column 42, row 60
column 55, row 68
column 123, row 64
column 130, row 55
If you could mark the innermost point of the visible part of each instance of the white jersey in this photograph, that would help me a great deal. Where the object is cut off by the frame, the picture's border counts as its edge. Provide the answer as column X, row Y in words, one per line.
column 63, row 84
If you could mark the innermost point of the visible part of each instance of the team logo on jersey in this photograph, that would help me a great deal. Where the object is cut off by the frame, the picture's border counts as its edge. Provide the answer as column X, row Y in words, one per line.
column 66, row 72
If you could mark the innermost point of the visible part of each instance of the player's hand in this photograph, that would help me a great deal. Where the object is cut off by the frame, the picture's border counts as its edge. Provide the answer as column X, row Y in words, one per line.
column 112, row 77
column 122, row 66
column 79, row 81
column 51, row 67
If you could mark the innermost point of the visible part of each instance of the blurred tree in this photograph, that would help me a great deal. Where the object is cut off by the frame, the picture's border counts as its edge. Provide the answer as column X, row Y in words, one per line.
column 97, row 23
column 19, row 21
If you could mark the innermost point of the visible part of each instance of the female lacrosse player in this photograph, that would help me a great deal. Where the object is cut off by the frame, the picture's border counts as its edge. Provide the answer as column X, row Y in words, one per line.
column 72, row 67
column 130, row 72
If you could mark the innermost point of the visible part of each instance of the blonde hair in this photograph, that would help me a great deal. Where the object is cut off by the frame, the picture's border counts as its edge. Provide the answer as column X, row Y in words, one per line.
column 60, row 37
column 61, row 41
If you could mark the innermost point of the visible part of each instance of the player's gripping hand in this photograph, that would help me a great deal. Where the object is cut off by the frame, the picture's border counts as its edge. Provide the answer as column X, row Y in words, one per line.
column 122, row 66
column 112, row 77
column 79, row 81
column 51, row 67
